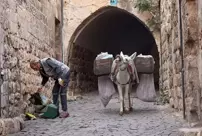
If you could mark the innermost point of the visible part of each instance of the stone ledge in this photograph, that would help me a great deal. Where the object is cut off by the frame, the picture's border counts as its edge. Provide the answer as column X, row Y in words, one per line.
column 11, row 125
column 71, row 96
column 196, row 131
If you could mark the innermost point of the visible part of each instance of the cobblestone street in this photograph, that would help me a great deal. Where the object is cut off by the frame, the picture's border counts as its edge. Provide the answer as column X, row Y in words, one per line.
column 89, row 118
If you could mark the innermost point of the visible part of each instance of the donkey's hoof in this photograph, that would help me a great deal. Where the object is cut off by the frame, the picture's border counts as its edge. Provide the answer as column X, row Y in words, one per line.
column 131, row 109
column 127, row 111
column 121, row 113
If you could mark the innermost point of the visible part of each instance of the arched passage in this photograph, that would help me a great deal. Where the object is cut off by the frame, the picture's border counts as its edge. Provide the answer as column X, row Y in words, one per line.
column 112, row 30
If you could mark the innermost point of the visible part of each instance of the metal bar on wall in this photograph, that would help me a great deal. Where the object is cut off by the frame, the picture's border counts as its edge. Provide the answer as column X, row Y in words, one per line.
column 182, row 56
column 1, row 82
column 62, row 19
column 199, row 32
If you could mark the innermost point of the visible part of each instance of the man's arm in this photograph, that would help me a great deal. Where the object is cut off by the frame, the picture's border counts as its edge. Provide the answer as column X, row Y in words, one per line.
column 44, row 79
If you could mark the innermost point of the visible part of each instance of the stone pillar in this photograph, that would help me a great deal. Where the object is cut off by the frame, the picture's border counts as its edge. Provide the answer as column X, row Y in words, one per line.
column 191, row 51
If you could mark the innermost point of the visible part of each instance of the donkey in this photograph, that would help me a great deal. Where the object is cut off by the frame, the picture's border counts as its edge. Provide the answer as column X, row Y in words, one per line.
column 123, row 73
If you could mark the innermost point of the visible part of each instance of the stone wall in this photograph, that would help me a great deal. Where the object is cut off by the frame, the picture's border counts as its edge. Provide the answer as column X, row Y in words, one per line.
column 82, row 78
column 27, row 32
column 170, row 53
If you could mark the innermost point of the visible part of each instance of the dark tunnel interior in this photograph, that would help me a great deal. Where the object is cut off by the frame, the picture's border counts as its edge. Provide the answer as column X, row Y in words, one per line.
column 117, row 30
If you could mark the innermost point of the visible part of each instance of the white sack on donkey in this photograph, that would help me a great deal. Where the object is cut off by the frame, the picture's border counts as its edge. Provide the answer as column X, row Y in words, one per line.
column 145, row 91
column 102, row 68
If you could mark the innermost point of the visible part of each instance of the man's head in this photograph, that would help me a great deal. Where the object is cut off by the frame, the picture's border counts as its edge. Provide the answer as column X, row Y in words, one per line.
column 35, row 65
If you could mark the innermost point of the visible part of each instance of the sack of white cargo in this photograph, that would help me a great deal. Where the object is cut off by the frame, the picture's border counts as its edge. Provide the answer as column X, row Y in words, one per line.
column 103, row 63
column 144, row 64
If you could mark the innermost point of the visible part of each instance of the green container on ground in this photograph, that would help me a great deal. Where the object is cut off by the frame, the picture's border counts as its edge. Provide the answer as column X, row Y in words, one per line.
column 50, row 111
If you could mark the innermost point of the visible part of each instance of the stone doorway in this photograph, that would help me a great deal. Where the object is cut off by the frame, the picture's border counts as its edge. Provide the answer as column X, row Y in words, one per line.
column 111, row 30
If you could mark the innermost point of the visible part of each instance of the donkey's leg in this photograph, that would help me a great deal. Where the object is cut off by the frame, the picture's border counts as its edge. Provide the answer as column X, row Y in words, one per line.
column 120, row 99
column 130, row 100
column 126, row 98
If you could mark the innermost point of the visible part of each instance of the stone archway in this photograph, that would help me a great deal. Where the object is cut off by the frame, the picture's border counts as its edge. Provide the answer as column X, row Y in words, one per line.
column 108, row 29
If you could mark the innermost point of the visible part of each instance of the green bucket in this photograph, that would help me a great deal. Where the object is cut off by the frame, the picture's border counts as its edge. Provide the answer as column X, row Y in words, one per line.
column 50, row 112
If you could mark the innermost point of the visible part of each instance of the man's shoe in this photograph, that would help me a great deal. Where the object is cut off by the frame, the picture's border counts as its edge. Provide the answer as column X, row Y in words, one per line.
column 64, row 114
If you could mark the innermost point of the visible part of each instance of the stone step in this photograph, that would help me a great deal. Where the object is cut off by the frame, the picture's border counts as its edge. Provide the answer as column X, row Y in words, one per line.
column 195, row 131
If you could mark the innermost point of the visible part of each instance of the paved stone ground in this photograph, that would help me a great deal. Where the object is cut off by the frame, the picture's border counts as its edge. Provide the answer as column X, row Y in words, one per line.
column 89, row 118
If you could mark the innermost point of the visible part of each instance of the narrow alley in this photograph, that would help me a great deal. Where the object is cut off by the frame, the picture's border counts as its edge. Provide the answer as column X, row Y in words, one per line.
column 89, row 118
column 69, row 34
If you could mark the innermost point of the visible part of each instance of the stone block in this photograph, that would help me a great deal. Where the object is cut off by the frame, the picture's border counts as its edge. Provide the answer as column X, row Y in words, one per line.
column 9, row 126
column 176, row 103
column 11, row 98
column 190, row 103
column 178, row 66
column 193, row 78
column 17, row 96
column 4, row 100
column 171, row 102
column 197, row 131
column 13, row 27
column 179, row 92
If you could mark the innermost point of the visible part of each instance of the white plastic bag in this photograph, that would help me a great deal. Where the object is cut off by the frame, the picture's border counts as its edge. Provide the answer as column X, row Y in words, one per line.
column 44, row 99
column 104, row 55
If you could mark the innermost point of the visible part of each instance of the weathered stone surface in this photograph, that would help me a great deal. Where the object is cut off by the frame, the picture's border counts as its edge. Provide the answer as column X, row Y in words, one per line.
column 10, row 126
column 25, row 36
column 191, row 131
column 172, row 80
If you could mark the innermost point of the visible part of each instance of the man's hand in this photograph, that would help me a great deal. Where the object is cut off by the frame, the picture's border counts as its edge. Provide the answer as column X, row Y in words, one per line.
column 61, row 82
column 40, row 89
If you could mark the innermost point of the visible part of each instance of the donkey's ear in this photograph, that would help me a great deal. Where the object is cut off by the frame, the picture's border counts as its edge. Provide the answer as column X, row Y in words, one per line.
column 133, row 56
column 117, row 56
column 121, row 54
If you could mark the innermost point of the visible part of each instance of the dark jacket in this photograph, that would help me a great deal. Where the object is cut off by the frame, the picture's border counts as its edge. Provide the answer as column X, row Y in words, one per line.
column 52, row 68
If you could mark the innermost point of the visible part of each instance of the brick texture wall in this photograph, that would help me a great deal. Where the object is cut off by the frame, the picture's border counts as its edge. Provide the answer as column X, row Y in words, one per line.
column 27, row 32
column 170, row 53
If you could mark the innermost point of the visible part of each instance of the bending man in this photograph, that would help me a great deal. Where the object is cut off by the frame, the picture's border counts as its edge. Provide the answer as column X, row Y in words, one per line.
column 50, row 67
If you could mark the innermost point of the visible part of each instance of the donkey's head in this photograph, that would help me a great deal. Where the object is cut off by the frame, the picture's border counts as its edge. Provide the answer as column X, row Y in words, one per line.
column 124, row 60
